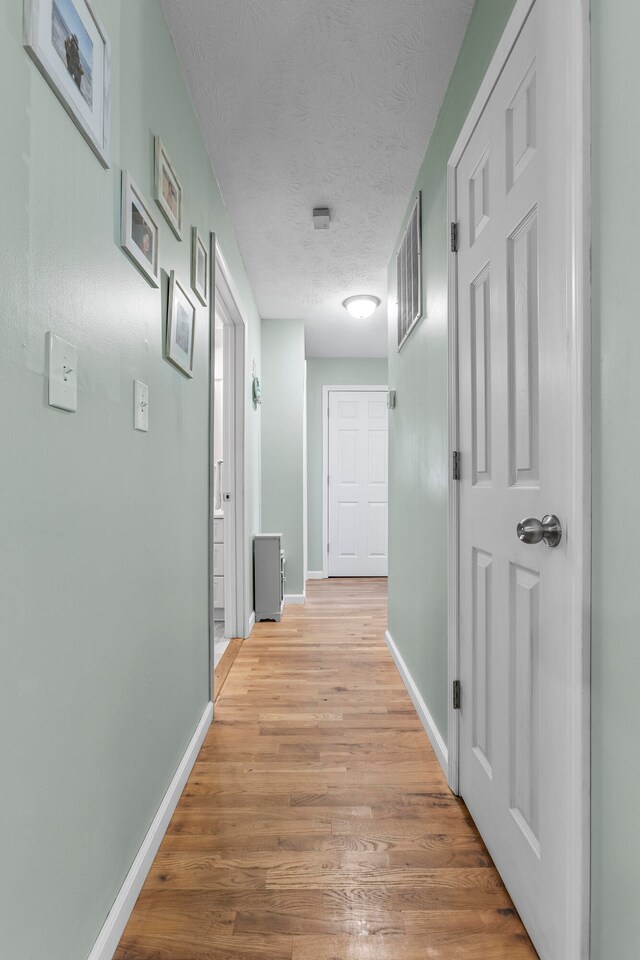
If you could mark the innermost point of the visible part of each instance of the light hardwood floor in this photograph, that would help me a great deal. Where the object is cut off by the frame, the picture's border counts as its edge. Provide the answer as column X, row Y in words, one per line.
column 317, row 824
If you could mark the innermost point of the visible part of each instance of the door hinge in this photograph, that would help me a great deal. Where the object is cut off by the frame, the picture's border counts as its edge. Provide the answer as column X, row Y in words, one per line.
column 455, row 466
column 454, row 238
column 457, row 694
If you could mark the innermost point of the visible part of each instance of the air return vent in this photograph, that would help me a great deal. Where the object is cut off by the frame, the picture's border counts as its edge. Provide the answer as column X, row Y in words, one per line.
column 409, row 271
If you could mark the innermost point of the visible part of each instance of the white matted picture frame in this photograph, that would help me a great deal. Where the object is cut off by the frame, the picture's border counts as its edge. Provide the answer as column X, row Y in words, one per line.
column 199, row 267
column 168, row 189
column 139, row 231
column 181, row 326
column 71, row 49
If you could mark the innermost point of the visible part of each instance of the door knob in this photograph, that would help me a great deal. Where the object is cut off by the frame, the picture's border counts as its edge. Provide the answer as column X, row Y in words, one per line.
column 534, row 531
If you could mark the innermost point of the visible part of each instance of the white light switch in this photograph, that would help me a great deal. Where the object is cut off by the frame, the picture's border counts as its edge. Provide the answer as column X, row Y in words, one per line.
column 140, row 405
column 63, row 374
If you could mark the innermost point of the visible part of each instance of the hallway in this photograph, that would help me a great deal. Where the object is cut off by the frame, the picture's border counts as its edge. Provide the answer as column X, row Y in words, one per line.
column 317, row 824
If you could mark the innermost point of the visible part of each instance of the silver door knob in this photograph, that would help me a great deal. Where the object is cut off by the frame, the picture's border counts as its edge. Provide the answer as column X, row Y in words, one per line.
column 534, row 531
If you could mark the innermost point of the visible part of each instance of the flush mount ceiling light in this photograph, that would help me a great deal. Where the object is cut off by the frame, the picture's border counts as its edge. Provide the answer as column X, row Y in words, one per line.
column 361, row 306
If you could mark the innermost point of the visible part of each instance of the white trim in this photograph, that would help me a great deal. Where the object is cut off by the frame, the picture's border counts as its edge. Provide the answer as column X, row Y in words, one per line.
column 326, row 390
column 251, row 624
column 316, row 575
column 295, row 599
column 113, row 927
column 427, row 721
column 226, row 301
column 578, row 63
column 453, row 497
column 305, row 480
column 576, row 26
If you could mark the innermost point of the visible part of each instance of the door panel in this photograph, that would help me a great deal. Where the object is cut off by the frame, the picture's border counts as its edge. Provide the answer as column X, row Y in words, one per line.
column 482, row 643
column 357, row 492
column 522, row 319
column 480, row 330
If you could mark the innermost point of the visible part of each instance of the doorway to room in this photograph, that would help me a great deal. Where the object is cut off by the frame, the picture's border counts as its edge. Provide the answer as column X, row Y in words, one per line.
column 227, row 615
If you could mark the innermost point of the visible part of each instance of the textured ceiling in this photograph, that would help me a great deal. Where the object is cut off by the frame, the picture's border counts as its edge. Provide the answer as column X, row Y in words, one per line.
column 306, row 103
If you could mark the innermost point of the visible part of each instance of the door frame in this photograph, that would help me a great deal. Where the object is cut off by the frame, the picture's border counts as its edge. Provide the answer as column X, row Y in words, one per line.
column 577, row 45
column 326, row 390
column 225, row 300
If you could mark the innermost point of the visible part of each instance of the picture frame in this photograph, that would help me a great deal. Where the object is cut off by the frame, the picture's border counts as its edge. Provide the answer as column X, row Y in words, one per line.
column 199, row 267
column 168, row 189
column 70, row 47
column 181, row 326
column 139, row 231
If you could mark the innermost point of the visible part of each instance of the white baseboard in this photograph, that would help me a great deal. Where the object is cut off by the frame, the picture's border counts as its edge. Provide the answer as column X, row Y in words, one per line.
column 427, row 721
column 295, row 598
column 315, row 575
column 113, row 928
column 252, row 623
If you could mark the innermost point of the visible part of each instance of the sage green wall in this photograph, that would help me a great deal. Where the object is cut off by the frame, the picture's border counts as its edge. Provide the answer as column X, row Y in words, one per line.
column 418, row 442
column 327, row 372
column 103, row 618
column 616, row 467
column 282, row 381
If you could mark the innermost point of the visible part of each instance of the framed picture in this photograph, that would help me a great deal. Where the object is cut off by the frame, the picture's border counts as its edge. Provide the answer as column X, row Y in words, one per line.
column 139, row 232
column 69, row 46
column 168, row 189
column 181, row 326
column 199, row 267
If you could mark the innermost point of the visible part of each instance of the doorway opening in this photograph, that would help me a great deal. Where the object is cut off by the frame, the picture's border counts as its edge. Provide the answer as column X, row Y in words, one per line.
column 228, row 614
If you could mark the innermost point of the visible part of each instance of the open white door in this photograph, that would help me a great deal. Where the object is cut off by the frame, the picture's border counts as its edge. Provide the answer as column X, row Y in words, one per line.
column 520, row 752
column 229, row 612
column 357, row 483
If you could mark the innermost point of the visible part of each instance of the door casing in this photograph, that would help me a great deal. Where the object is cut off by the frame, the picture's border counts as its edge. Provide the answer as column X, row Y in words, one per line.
column 575, row 26
column 225, row 300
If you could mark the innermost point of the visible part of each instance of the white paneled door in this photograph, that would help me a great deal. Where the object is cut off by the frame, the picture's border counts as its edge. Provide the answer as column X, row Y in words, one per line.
column 515, row 409
column 357, row 484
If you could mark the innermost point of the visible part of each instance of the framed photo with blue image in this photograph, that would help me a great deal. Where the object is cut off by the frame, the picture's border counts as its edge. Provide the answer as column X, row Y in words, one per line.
column 181, row 327
column 69, row 46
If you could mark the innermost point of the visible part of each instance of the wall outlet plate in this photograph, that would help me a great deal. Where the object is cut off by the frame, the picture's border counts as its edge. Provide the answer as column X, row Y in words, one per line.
column 140, row 406
column 63, row 373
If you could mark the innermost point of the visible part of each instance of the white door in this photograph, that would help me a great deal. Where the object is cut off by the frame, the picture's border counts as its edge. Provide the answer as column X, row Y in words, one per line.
column 515, row 409
column 358, row 492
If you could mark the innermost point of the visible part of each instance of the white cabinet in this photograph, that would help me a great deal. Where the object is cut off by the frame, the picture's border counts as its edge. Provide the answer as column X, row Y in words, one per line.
column 269, row 578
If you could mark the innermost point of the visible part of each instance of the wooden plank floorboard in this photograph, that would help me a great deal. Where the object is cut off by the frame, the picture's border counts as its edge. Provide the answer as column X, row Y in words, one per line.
column 317, row 824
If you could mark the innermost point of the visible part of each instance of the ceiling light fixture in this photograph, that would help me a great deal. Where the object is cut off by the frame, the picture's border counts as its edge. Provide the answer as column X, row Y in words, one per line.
column 361, row 306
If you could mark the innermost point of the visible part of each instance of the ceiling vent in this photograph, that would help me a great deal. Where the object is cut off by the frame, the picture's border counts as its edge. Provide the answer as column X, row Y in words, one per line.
column 321, row 218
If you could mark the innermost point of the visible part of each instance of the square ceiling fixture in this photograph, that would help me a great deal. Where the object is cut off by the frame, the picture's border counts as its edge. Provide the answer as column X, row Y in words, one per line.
column 321, row 218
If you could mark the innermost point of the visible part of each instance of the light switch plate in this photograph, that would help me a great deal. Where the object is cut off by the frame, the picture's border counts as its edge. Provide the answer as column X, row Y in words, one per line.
column 63, row 374
column 140, row 406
